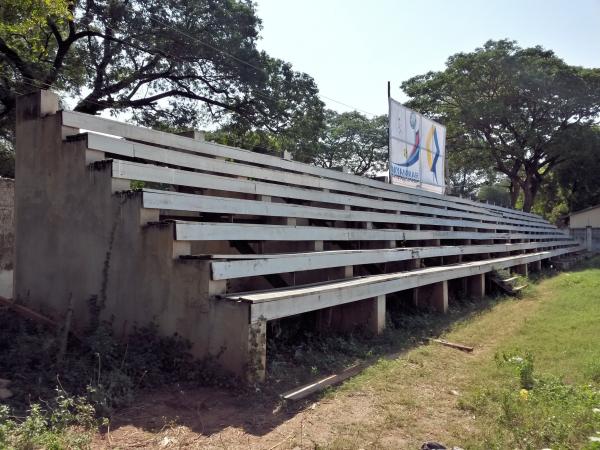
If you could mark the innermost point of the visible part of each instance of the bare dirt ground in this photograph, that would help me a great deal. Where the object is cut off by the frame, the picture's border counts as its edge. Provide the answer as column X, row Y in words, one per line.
column 397, row 403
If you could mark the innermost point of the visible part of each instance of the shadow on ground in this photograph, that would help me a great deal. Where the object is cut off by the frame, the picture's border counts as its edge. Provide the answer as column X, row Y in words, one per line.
column 296, row 354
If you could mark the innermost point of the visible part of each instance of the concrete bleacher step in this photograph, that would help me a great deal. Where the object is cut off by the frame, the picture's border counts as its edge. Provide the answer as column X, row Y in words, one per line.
column 279, row 303
column 506, row 285
column 299, row 235
column 519, row 288
column 509, row 280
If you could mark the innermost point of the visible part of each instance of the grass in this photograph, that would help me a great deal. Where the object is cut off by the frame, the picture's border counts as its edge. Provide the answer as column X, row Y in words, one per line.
column 544, row 385
column 533, row 381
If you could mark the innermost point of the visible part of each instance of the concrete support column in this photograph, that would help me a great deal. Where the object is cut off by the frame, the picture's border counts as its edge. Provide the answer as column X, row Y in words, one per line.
column 319, row 246
column 376, row 323
column 433, row 297
column 368, row 314
column 475, row 285
column 241, row 345
column 520, row 269
column 327, row 317
column 588, row 239
column 535, row 266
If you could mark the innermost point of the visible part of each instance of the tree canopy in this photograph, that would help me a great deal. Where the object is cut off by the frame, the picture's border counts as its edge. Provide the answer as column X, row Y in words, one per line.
column 171, row 63
column 509, row 105
column 355, row 142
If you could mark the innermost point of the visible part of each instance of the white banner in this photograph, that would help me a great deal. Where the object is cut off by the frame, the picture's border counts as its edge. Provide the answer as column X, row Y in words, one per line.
column 417, row 149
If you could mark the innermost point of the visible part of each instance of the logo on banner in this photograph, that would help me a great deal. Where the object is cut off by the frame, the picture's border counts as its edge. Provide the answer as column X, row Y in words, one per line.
column 433, row 157
column 416, row 148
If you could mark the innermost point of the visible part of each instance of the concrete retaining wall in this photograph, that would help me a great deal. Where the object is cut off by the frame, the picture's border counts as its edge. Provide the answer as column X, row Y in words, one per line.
column 7, row 235
column 584, row 234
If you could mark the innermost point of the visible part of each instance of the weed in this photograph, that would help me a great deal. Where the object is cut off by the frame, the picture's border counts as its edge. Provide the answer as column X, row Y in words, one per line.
column 100, row 372
column 66, row 422
column 592, row 371
column 523, row 365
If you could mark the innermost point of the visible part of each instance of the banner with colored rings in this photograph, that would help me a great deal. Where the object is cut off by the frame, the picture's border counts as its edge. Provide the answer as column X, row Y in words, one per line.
column 417, row 149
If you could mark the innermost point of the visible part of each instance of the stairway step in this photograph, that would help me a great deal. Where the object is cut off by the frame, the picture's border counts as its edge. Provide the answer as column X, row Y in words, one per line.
column 519, row 288
column 508, row 280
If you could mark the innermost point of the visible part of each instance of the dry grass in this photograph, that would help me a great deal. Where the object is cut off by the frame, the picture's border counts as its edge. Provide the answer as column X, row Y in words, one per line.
column 403, row 402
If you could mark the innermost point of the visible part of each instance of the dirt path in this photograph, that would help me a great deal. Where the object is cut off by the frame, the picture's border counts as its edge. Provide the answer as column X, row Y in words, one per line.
column 395, row 404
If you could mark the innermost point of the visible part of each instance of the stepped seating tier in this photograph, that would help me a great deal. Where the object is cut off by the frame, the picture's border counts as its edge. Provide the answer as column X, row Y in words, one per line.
column 216, row 241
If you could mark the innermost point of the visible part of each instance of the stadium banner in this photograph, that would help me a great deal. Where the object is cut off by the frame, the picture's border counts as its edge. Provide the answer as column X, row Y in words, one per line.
column 417, row 148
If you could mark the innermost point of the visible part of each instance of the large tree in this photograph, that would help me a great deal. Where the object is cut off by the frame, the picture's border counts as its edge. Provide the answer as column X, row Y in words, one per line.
column 355, row 142
column 510, row 105
column 578, row 178
column 167, row 63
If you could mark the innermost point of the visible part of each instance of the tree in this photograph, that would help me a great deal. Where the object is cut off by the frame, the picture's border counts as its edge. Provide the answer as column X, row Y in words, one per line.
column 467, row 173
column 510, row 104
column 578, row 176
column 172, row 63
column 497, row 194
column 354, row 141
column 301, row 139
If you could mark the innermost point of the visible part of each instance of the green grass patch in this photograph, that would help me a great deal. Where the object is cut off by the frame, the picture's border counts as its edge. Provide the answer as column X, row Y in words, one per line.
column 543, row 389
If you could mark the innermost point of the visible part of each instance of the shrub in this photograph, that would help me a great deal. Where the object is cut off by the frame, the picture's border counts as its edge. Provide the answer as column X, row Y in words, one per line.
column 67, row 422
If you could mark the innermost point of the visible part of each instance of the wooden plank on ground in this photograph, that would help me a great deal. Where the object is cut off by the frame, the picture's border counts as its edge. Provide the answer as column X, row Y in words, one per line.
column 323, row 383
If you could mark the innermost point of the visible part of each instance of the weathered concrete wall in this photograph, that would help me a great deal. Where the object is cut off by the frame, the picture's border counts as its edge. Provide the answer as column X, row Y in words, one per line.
column 77, row 242
column 583, row 235
column 7, row 235
column 587, row 218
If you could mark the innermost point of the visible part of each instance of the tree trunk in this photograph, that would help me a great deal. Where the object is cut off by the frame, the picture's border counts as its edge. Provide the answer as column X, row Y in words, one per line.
column 530, row 188
column 515, row 190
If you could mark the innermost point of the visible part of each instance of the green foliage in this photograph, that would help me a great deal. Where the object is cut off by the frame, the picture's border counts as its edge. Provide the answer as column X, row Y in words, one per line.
column 136, row 185
column 498, row 194
column 540, row 412
column 21, row 19
column 551, row 406
column 7, row 159
column 348, row 140
column 466, row 171
column 523, row 366
column 507, row 106
column 172, row 63
column 105, row 370
column 354, row 141
column 572, row 185
column 577, row 176
column 66, row 422
column 297, row 353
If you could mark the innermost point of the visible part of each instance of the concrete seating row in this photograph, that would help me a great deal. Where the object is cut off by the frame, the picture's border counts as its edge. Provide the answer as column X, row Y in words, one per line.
column 214, row 242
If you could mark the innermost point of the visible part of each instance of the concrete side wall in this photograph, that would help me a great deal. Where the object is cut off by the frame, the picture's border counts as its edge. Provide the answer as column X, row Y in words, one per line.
column 7, row 236
column 581, row 234
column 590, row 218
column 79, row 244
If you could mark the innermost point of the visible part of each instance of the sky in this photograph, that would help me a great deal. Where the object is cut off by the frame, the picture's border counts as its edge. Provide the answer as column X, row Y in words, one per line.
column 352, row 48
